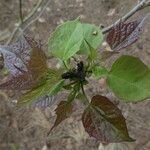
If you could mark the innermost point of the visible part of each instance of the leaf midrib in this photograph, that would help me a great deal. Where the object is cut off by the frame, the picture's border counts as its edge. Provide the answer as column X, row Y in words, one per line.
column 106, row 119
column 66, row 48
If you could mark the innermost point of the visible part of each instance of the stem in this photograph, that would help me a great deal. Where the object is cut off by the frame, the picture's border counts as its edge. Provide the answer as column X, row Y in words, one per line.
column 20, row 11
column 86, row 98
column 73, row 93
column 143, row 4
column 70, row 84
column 65, row 65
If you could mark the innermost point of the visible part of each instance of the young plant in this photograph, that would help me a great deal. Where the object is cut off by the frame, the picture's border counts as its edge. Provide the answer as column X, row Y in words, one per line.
column 128, row 78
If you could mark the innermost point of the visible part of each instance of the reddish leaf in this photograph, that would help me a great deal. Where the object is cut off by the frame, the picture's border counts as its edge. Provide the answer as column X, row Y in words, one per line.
column 35, row 68
column 125, row 33
column 104, row 121
column 17, row 55
column 63, row 111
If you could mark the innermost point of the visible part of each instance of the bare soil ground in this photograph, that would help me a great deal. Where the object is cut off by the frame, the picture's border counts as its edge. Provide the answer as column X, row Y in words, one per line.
column 26, row 128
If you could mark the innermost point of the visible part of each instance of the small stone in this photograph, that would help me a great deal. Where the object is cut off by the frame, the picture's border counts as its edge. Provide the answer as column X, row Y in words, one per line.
column 16, row 24
column 82, row 17
column 81, row 5
column 48, row 9
column 44, row 147
column 111, row 12
column 39, row 9
column 41, row 20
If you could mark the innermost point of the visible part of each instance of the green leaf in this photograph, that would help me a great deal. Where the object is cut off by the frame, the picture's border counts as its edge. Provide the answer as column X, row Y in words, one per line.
column 34, row 94
column 129, row 79
column 92, row 35
column 14, row 147
column 104, row 121
column 63, row 111
column 99, row 71
column 55, row 73
column 92, row 52
column 80, row 96
column 69, row 86
column 66, row 40
column 56, row 88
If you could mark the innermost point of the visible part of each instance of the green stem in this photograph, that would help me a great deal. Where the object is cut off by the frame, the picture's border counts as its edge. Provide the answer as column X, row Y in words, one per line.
column 73, row 92
column 70, row 84
column 86, row 98
column 65, row 65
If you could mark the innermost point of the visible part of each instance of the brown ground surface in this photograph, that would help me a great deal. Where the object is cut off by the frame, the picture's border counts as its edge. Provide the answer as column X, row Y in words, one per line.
column 26, row 128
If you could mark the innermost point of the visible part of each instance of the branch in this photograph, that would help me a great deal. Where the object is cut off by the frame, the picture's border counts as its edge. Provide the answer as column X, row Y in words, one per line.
column 143, row 4
column 29, row 19
column 20, row 11
column 86, row 101
column 37, row 15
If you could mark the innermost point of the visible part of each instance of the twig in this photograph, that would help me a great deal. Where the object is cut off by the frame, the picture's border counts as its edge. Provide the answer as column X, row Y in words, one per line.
column 25, row 19
column 83, row 92
column 38, row 15
column 143, row 4
column 29, row 19
column 20, row 11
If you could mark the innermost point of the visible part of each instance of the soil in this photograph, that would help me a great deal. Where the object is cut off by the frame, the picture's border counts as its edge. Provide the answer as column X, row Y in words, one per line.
column 26, row 128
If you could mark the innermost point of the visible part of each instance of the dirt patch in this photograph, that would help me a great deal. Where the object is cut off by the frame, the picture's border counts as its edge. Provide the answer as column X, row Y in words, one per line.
column 26, row 128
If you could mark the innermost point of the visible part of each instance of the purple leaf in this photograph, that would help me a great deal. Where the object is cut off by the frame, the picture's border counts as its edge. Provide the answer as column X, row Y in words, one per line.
column 17, row 55
column 63, row 111
column 124, row 34
column 44, row 101
column 27, row 64
column 104, row 121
